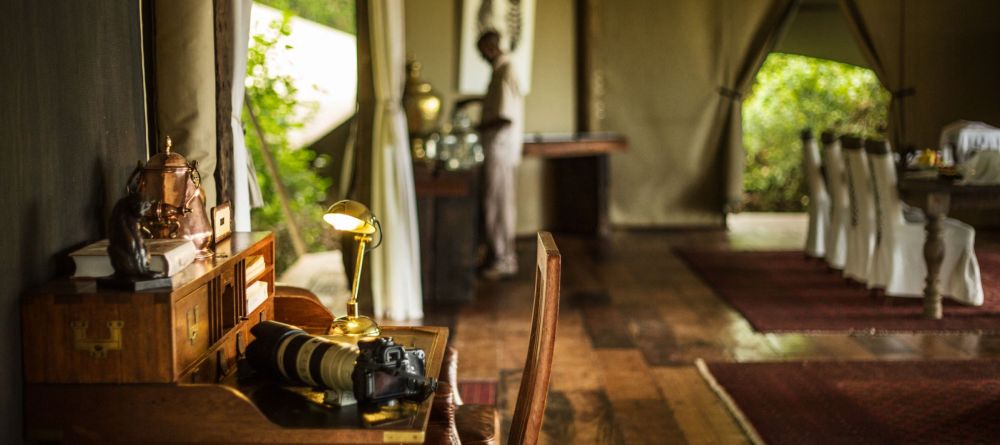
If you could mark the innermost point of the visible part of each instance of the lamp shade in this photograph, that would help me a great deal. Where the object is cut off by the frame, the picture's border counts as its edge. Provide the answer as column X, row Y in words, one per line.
column 350, row 216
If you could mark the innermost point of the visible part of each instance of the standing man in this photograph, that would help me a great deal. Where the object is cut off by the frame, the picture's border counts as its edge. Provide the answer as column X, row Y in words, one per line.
column 501, row 128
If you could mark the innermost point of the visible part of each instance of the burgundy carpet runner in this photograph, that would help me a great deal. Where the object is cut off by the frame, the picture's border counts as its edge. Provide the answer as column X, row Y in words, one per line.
column 867, row 402
column 785, row 292
column 478, row 392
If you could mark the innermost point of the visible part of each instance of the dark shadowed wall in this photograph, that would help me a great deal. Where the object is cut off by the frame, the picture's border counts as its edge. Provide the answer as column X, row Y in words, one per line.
column 71, row 129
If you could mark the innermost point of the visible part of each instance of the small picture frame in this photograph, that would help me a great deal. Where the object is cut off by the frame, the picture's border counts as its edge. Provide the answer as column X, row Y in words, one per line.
column 222, row 222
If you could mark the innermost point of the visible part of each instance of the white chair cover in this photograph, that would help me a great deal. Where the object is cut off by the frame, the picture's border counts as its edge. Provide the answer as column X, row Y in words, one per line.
column 898, row 264
column 819, row 200
column 836, row 184
column 861, row 233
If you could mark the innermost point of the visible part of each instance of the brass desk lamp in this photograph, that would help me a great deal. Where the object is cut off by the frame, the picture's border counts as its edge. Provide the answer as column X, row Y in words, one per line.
column 354, row 217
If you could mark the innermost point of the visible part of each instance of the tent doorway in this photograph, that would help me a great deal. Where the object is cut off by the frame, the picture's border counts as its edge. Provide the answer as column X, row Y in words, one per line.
column 790, row 93
column 301, row 90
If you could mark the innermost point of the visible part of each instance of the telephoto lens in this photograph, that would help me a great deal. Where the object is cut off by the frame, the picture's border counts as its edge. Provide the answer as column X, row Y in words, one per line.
column 288, row 352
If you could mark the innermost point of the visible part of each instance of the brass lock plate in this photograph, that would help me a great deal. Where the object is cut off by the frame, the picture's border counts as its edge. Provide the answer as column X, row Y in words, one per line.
column 97, row 347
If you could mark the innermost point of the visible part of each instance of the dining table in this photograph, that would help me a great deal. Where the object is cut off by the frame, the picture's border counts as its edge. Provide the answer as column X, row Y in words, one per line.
column 937, row 196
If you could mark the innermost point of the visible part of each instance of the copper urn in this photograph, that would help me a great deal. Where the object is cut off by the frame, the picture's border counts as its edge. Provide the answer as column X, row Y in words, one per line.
column 174, row 185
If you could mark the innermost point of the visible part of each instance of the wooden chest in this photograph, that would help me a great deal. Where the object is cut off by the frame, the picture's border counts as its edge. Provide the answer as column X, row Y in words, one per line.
column 74, row 332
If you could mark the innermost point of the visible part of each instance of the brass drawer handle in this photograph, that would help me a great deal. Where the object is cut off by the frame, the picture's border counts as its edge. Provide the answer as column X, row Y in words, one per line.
column 192, row 322
column 98, row 348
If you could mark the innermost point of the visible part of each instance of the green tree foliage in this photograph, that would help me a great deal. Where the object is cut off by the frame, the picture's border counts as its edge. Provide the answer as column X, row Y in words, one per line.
column 791, row 93
column 337, row 14
column 273, row 100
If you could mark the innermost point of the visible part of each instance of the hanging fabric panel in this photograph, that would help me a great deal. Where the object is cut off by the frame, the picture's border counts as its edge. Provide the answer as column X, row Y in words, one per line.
column 246, row 193
column 185, row 83
column 877, row 28
column 772, row 18
column 396, row 288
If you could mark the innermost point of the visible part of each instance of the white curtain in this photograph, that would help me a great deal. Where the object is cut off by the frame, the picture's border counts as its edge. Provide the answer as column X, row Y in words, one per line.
column 396, row 265
column 246, row 193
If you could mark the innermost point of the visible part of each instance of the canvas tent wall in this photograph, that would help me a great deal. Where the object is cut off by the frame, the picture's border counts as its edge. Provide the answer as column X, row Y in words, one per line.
column 656, row 69
column 670, row 76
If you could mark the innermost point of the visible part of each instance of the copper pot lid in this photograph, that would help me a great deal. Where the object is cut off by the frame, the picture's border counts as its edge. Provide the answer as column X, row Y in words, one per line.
column 167, row 159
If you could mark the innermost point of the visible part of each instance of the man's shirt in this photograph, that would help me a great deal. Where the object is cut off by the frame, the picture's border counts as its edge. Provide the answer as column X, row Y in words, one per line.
column 503, row 101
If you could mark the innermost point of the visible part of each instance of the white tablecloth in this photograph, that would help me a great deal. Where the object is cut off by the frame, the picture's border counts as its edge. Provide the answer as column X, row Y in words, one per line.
column 970, row 136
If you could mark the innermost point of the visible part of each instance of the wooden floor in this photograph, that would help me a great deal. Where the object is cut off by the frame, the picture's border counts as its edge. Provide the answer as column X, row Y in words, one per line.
column 631, row 327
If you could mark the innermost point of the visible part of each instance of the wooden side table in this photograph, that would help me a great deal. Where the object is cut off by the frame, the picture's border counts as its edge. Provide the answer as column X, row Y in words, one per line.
column 582, row 180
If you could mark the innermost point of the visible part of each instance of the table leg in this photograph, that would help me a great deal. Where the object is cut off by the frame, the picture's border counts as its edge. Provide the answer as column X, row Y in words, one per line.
column 936, row 211
column 601, row 192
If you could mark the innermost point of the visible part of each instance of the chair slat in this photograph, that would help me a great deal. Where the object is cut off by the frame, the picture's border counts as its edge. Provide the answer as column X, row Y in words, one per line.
column 530, row 407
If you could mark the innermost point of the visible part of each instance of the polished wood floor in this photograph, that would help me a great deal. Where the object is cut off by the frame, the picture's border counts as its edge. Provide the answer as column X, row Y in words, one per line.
column 631, row 327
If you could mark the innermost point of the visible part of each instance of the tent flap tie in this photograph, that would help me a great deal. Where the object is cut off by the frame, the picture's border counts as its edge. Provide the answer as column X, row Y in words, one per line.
column 730, row 93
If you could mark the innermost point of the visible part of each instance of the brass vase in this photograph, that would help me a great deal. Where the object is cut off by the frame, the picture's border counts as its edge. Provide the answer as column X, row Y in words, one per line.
column 421, row 103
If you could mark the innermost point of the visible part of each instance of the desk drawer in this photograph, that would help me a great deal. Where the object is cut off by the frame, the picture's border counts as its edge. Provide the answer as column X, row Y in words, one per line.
column 91, row 337
column 191, row 335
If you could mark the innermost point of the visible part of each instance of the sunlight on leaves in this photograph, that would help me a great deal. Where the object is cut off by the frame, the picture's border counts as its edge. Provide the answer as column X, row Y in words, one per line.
column 790, row 93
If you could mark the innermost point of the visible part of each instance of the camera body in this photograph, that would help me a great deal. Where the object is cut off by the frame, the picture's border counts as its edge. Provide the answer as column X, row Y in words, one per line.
column 386, row 371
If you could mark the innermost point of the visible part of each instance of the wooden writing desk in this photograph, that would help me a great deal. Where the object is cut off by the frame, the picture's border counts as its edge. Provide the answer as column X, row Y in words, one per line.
column 161, row 366
column 228, row 412
column 937, row 197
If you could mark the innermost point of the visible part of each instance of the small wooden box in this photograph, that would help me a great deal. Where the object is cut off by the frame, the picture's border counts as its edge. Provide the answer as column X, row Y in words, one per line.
column 75, row 332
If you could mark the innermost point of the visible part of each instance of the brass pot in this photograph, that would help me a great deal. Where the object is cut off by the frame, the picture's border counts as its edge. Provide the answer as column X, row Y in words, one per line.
column 174, row 186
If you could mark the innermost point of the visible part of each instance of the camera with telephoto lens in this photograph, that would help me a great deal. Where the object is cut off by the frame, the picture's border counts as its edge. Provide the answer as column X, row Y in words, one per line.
column 386, row 371
column 377, row 370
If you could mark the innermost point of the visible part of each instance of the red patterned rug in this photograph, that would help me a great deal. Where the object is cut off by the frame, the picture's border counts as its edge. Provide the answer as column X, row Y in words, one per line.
column 786, row 292
column 865, row 402
column 478, row 392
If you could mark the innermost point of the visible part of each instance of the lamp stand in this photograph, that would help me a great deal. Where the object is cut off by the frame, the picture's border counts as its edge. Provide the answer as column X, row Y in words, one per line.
column 352, row 323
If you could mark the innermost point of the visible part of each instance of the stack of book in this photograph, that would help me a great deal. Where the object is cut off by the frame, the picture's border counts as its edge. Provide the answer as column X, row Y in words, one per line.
column 169, row 256
column 256, row 295
column 255, row 267
column 256, row 292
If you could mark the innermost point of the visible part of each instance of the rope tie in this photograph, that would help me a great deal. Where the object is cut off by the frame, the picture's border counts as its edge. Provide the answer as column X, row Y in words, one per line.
column 730, row 93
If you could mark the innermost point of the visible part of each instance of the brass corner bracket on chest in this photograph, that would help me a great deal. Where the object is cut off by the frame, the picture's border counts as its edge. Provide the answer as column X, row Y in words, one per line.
column 98, row 348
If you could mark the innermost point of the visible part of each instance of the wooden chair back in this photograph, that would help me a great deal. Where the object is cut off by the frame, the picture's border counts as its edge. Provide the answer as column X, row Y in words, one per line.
column 300, row 307
column 530, row 409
